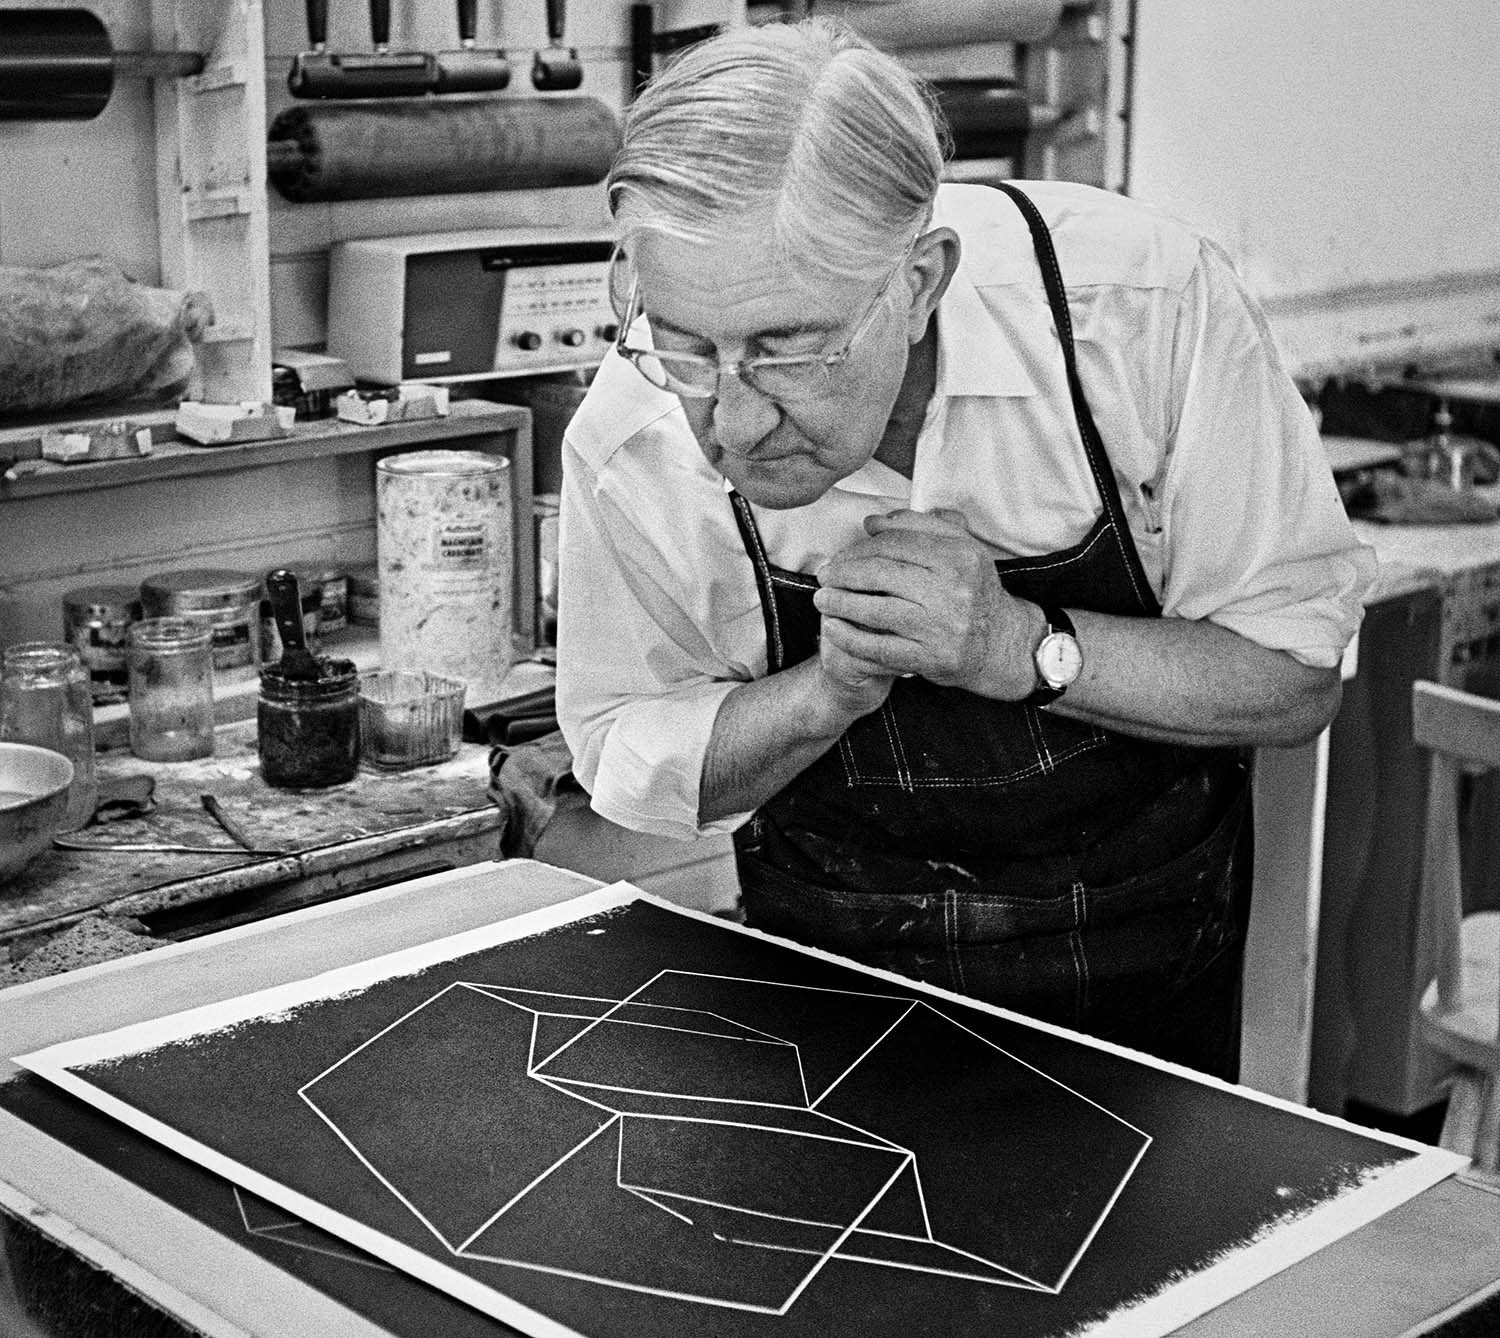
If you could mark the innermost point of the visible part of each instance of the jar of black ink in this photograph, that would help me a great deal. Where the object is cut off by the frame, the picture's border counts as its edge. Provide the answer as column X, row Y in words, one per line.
column 308, row 728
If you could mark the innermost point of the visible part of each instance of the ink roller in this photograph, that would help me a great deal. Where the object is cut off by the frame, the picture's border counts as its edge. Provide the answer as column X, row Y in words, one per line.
column 379, row 73
column 383, row 73
column 384, row 148
column 60, row 65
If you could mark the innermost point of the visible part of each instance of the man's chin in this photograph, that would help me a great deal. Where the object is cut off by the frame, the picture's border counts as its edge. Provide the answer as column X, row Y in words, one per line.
column 780, row 485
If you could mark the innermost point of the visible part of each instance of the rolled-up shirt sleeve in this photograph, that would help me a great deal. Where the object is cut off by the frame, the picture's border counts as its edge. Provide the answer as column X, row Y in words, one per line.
column 1255, row 535
column 638, row 690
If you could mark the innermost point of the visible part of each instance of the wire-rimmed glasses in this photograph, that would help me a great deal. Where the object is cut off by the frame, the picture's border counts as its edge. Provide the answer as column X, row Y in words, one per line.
column 779, row 377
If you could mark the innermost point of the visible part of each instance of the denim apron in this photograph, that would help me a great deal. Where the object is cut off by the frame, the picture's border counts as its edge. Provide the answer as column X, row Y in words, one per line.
column 1070, row 872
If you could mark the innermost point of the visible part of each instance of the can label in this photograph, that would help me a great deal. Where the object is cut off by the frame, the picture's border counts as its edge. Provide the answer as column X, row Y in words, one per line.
column 457, row 546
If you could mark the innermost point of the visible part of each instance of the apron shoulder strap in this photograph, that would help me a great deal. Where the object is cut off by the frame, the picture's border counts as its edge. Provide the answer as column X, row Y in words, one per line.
column 1093, row 443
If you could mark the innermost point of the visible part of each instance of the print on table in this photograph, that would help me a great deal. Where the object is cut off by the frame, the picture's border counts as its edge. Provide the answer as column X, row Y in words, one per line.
column 746, row 1158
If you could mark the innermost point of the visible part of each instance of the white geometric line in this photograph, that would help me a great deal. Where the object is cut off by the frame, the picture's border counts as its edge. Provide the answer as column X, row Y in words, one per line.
column 577, row 1096
column 552, row 1079
column 783, row 985
column 629, row 998
column 347, row 1257
column 486, row 986
column 879, row 1138
column 802, row 1078
column 501, row 993
column 969, row 1254
column 1119, row 1189
column 1056, row 1082
column 662, row 1026
column 1015, row 1280
column 239, row 1203
column 819, row 1266
column 734, row 1207
column 764, row 1128
column 629, row 1190
column 536, row 1180
column 904, row 1015
column 372, row 1039
column 370, row 1166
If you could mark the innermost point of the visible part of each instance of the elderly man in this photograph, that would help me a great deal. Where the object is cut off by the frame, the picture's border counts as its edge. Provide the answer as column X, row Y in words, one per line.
column 949, row 545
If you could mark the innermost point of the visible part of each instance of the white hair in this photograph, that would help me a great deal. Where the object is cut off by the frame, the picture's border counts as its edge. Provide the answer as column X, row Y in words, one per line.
column 805, row 126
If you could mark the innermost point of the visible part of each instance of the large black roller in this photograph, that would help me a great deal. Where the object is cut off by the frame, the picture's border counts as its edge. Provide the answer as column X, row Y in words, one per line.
column 372, row 149
column 60, row 65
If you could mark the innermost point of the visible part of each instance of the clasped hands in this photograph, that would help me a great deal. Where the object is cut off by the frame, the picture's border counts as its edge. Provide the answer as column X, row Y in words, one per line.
column 919, row 595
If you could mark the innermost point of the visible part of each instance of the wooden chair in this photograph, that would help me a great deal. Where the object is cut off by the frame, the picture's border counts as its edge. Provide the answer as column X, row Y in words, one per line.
column 1460, row 1009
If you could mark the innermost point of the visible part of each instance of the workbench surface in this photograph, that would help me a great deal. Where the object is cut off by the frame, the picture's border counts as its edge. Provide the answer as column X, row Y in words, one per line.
column 1433, row 1256
column 331, row 838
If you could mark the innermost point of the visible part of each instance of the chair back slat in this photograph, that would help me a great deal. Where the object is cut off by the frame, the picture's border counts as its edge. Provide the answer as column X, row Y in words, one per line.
column 1458, row 724
column 1462, row 730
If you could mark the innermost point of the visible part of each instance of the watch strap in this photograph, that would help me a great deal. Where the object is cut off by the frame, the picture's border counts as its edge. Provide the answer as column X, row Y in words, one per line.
column 1057, row 621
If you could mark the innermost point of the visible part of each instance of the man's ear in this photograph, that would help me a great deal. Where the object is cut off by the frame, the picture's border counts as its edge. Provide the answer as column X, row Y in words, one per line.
column 934, row 258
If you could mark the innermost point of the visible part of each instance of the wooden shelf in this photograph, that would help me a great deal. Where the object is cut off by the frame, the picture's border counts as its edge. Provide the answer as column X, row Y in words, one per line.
column 175, row 457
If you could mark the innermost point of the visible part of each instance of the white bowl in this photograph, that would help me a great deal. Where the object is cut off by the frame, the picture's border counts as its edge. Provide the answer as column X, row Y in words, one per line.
column 33, row 802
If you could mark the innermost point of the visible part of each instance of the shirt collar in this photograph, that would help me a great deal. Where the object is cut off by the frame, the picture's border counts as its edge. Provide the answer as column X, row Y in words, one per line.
column 974, row 356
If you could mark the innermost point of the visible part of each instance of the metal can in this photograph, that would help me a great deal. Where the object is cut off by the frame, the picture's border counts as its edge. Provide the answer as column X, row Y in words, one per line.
column 333, row 611
column 97, row 621
column 364, row 596
column 226, row 601
column 444, row 544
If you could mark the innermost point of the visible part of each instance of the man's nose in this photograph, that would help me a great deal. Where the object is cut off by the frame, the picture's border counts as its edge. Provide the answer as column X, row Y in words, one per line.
column 742, row 415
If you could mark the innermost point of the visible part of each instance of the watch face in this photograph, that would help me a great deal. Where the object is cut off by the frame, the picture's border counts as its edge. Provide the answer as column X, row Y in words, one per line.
column 1058, row 659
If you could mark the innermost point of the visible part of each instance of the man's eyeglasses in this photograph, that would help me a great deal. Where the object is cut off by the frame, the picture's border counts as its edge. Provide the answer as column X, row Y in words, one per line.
column 696, row 376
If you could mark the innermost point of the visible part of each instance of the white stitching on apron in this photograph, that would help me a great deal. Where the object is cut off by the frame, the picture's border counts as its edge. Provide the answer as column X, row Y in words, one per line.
column 1080, row 958
column 898, row 753
column 950, row 923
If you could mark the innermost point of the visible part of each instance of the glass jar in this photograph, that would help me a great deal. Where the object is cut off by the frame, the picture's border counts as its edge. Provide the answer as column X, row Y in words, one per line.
column 46, row 699
column 308, row 729
column 171, row 662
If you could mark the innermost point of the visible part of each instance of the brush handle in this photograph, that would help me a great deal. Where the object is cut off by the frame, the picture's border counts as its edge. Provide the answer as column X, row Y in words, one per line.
column 286, row 608
column 557, row 19
column 468, row 21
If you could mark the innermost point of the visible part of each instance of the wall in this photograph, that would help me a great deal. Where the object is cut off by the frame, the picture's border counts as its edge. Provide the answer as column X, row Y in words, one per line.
column 1347, row 155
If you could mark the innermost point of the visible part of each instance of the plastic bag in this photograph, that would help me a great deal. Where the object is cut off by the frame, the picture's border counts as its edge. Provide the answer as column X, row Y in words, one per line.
column 84, row 332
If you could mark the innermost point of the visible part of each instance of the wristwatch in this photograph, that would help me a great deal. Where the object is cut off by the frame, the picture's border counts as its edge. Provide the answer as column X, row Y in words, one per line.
column 1059, row 659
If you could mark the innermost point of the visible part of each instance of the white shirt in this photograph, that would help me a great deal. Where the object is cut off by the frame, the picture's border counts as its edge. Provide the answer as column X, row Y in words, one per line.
column 1225, row 484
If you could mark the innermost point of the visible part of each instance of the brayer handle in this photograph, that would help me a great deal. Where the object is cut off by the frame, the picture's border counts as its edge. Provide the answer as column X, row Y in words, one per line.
column 380, row 24
column 317, row 24
column 468, row 21
column 557, row 20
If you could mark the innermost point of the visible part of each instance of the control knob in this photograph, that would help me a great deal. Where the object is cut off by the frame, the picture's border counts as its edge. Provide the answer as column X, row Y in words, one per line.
column 527, row 339
column 570, row 338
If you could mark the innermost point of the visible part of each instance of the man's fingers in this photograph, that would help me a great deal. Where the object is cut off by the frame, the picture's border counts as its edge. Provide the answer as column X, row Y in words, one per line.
column 881, row 651
column 940, row 520
column 879, row 612
column 876, row 574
